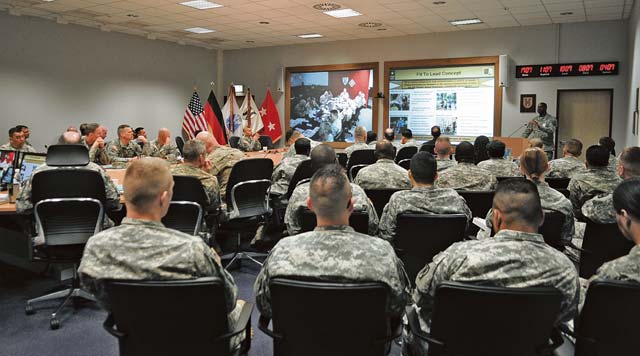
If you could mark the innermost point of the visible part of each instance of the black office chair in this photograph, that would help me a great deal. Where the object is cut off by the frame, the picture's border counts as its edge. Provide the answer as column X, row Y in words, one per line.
column 188, row 206
column 482, row 320
column 353, row 171
column 564, row 192
column 342, row 159
column 419, row 237
column 380, row 198
column 67, row 155
column 557, row 183
column 323, row 318
column 428, row 147
column 479, row 202
column 358, row 220
column 361, row 157
column 233, row 141
column 406, row 153
column 551, row 229
column 602, row 243
column 185, row 317
column 180, row 144
column 405, row 163
column 304, row 171
column 265, row 141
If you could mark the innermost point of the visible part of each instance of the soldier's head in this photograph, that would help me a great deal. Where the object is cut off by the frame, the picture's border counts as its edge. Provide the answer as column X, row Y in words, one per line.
column 302, row 146
column 247, row 132
column 194, row 153
column 605, row 141
column 536, row 142
column 496, row 149
column 140, row 131
column 516, row 206
column 629, row 166
column 626, row 203
column 103, row 131
column 443, row 147
column 291, row 136
column 73, row 128
column 423, row 170
column 25, row 131
column 322, row 155
column 465, row 153
column 407, row 134
column 534, row 163
column 330, row 196
column 542, row 109
column 83, row 129
column 148, row 188
column 435, row 131
column 92, row 132
column 16, row 138
column 69, row 138
column 389, row 134
column 210, row 142
column 572, row 147
column 372, row 136
column 384, row 149
column 597, row 156
column 361, row 134
column 163, row 135
column 125, row 133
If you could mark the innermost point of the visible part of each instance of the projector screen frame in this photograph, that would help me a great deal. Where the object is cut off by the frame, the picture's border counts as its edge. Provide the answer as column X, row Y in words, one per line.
column 448, row 62
column 373, row 66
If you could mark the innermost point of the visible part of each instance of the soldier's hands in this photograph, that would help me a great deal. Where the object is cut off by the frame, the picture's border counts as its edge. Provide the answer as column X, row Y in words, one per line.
column 207, row 165
column 142, row 139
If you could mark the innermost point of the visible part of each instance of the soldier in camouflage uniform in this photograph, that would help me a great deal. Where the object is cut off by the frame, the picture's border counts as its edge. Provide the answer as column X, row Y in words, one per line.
column 443, row 153
column 408, row 140
column 610, row 145
column 163, row 148
column 361, row 142
column 333, row 252
column 466, row 175
column 95, row 144
column 291, row 136
column 284, row 171
column 321, row 156
column 596, row 180
column 16, row 142
column 542, row 127
column 569, row 165
column 196, row 165
column 496, row 164
column 424, row 198
column 385, row 173
column 143, row 249
column 24, row 205
column 249, row 142
column 600, row 208
column 124, row 148
column 222, row 159
column 516, row 257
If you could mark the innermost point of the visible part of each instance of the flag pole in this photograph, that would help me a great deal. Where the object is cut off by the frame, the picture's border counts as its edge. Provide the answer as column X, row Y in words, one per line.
column 232, row 96
column 249, row 107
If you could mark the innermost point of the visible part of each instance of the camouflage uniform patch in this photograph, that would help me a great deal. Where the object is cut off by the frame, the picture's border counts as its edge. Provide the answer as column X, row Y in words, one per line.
column 466, row 176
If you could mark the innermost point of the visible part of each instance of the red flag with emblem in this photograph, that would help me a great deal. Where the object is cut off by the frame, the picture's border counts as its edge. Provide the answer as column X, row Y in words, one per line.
column 270, row 118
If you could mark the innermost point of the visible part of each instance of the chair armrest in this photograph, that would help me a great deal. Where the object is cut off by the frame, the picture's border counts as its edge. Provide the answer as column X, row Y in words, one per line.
column 414, row 326
column 571, row 245
column 556, row 341
column 241, row 324
column 263, row 325
column 109, row 324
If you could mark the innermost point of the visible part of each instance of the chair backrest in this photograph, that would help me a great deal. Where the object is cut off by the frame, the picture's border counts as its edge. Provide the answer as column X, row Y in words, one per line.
column 187, row 188
column 303, row 171
column 483, row 320
column 405, row 163
column 479, row 201
column 67, row 183
column 265, row 141
column 380, row 198
column 184, row 216
column 322, row 318
column 564, row 192
column 250, row 199
column 353, row 171
column 180, row 144
column 67, row 155
column 419, row 237
column 68, row 221
column 428, row 147
column 361, row 157
column 248, row 169
column 551, row 229
column 602, row 243
column 608, row 320
column 500, row 179
column 342, row 159
column 557, row 183
column 406, row 153
column 358, row 220
column 169, row 317
column 233, row 141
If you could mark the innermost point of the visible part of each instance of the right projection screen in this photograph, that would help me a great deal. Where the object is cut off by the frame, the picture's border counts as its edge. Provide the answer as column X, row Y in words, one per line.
column 460, row 98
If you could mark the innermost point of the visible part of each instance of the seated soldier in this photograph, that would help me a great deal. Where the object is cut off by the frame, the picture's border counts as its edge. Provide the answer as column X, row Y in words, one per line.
column 284, row 171
column 163, row 147
column 610, row 144
column 466, row 175
column 385, row 173
column 291, row 136
column 196, row 165
column 16, row 142
column 372, row 138
column 408, row 140
column 249, row 141
column 95, row 144
column 361, row 141
column 321, row 156
column 443, row 152
column 496, row 164
column 125, row 148
column 569, row 165
column 422, row 198
column 390, row 135
column 25, row 130
column 141, row 248
column 222, row 159
column 333, row 252
column 516, row 257
column 597, row 179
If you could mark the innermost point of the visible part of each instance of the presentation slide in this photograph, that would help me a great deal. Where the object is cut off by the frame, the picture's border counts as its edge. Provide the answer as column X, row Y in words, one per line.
column 327, row 106
column 458, row 99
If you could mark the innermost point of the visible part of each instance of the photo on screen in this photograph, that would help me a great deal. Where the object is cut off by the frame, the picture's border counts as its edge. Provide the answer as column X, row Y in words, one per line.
column 6, row 166
column 400, row 102
column 328, row 105
column 397, row 123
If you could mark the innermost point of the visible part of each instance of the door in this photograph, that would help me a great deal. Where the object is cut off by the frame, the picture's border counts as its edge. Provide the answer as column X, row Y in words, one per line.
column 584, row 115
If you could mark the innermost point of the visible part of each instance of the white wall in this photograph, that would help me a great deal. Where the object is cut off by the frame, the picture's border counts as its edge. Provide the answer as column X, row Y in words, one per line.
column 606, row 41
column 53, row 76
column 634, row 75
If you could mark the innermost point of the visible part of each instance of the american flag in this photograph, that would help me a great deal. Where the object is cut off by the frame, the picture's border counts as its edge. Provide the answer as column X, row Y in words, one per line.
column 193, row 120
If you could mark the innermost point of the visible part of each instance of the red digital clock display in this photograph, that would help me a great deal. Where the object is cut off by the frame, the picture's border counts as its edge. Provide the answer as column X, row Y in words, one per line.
column 567, row 70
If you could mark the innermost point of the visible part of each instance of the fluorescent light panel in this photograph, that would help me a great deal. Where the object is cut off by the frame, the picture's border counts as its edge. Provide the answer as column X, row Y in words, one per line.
column 342, row 13
column 199, row 30
column 201, row 4
column 465, row 22
column 311, row 35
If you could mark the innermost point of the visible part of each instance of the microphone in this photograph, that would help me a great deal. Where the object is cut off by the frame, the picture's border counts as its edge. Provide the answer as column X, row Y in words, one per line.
column 518, row 129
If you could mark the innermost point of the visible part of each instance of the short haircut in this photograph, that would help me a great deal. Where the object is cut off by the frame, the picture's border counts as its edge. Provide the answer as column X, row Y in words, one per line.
column 361, row 131
column 543, row 104
column 69, row 138
column 137, row 130
column 21, row 127
column 193, row 149
column 83, row 129
column 574, row 147
column 371, row 136
column 407, row 133
column 435, row 131
column 443, row 145
column 534, row 162
column 536, row 142
column 465, row 152
column 609, row 143
column 144, row 180
column 424, row 167
column 496, row 149
column 302, row 146
column 518, row 200
column 92, row 127
column 330, row 192
column 627, row 196
column 321, row 156
column 480, row 146
column 291, row 133
column 597, row 156
column 13, row 130
column 384, row 149
column 389, row 134
column 630, row 160
column 121, row 128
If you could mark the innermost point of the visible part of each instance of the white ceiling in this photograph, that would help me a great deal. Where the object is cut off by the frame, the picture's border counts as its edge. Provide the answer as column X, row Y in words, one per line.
column 237, row 22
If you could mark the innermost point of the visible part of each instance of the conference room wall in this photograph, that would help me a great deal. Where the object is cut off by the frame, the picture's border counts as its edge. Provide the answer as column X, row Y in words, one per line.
column 53, row 75
column 575, row 42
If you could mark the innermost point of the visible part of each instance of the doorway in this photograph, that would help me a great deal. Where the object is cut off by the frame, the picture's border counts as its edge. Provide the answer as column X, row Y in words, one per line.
column 584, row 114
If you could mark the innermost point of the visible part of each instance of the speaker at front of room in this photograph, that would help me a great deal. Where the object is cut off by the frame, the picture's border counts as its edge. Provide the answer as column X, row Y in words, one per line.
column 503, row 63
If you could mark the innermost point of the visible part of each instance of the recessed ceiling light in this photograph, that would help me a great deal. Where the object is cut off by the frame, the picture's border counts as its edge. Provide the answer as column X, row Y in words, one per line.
column 263, row 22
column 326, row 6
column 199, row 30
column 134, row 16
column 311, row 35
column 566, row 13
column 200, row 4
column 439, row 2
column 465, row 22
column 343, row 13
column 381, row 29
column 370, row 24
column 48, row 0
column 250, row 41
